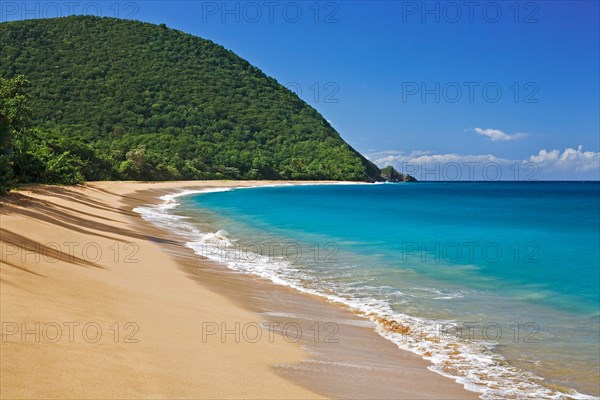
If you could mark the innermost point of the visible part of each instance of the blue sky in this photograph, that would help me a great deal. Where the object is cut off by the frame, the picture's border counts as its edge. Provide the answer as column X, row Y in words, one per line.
column 408, row 83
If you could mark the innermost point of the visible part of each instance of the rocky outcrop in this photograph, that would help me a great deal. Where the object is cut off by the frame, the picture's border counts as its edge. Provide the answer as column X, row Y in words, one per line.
column 389, row 174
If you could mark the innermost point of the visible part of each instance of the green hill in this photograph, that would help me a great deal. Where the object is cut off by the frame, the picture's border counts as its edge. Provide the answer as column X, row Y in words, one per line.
column 131, row 100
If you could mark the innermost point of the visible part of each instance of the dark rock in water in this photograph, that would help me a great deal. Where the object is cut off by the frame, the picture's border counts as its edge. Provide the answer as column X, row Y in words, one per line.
column 389, row 174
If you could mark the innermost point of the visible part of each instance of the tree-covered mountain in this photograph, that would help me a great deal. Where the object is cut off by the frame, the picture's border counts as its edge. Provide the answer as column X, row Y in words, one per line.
column 131, row 100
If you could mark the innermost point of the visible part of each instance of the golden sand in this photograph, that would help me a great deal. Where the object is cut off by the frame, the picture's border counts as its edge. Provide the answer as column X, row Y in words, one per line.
column 92, row 307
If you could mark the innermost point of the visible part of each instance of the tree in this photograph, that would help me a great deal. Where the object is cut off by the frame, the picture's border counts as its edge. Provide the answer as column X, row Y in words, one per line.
column 14, row 123
column 6, row 175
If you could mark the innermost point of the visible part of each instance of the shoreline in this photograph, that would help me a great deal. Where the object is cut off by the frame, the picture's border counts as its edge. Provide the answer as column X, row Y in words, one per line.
column 396, row 368
column 396, row 328
column 170, row 359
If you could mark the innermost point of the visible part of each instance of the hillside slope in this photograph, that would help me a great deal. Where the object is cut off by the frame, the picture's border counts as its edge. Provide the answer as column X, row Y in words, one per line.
column 155, row 103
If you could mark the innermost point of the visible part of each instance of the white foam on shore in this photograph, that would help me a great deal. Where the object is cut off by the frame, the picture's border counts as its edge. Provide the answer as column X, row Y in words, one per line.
column 470, row 363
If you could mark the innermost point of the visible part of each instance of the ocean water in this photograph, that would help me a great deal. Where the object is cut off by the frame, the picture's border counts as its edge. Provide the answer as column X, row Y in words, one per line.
column 497, row 284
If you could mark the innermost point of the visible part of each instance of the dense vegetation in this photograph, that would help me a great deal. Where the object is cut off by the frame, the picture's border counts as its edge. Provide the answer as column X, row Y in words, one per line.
column 27, row 155
column 116, row 99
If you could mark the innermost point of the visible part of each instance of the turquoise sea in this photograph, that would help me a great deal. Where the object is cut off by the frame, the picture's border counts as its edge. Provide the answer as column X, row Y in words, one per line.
column 496, row 283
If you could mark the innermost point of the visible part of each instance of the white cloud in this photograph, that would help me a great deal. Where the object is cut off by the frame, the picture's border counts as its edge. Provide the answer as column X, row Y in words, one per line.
column 496, row 135
column 554, row 165
column 391, row 157
column 570, row 160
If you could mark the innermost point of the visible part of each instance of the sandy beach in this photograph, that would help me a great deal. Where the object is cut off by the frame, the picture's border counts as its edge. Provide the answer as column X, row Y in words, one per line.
column 97, row 303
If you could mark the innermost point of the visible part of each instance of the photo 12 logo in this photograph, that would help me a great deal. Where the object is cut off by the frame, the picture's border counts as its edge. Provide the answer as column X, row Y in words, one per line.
column 470, row 92
column 253, row 12
column 69, row 332
column 452, row 12
column 454, row 171
column 252, row 332
column 20, row 10
column 77, row 252
column 470, row 252
column 269, row 251
column 489, row 331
